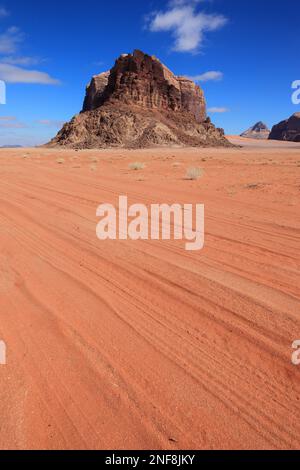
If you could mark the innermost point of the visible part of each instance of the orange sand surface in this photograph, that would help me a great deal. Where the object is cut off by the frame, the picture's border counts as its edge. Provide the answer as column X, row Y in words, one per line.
column 141, row 344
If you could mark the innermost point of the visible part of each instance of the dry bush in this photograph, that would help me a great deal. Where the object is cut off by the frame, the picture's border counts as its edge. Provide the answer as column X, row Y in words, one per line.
column 194, row 173
column 136, row 166
column 254, row 185
column 60, row 161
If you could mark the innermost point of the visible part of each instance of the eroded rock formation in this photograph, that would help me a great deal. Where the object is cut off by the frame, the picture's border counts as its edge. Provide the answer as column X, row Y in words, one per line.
column 287, row 130
column 258, row 131
column 140, row 103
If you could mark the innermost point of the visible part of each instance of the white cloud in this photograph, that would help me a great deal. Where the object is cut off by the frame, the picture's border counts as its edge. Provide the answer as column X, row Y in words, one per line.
column 10, row 40
column 12, row 124
column 208, row 76
column 3, row 12
column 13, row 74
column 218, row 110
column 21, row 60
column 187, row 25
column 8, row 118
column 12, row 65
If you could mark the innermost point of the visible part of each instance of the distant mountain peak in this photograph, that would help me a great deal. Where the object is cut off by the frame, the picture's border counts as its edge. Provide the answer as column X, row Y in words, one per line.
column 11, row 146
column 260, row 126
column 259, row 131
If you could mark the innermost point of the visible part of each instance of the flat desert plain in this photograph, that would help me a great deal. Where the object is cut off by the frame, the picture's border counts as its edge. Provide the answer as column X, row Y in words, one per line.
column 141, row 344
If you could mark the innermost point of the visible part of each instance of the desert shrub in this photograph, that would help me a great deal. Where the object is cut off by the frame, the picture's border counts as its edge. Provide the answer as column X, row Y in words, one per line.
column 136, row 166
column 60, row 161
column 194, row 173
column 254, row 185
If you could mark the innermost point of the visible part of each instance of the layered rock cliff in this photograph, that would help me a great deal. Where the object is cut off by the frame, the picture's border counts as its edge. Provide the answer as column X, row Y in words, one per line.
column 140, row 103
column 287, row 130
column 142, row 80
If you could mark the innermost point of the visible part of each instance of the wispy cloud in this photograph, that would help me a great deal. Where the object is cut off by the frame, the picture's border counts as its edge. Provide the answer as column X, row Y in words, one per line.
column 186, row 23
column 218, row 110
column 13, row 65
column 208, row 76
column 11, row 122
column 10, row 40
column 13, row 74
column 24, row 61
column 3, row 12
column 8, row 118
column 51, row 123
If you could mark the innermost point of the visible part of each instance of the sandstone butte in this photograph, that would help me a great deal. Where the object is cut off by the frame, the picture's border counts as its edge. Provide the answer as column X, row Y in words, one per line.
column 288, row 130
column 140, row 103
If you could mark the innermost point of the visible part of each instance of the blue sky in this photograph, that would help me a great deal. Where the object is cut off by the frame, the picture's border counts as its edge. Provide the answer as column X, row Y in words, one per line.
column 245, row 54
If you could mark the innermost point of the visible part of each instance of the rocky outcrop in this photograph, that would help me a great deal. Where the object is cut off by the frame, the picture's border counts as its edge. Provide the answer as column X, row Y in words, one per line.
column 144, row 81
column 94, row 91
column 258, row 131
column 140, row 103
column 288, row 130
column 130, row 127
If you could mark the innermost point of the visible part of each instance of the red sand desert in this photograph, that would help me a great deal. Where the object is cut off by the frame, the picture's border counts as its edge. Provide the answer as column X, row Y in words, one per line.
column 141, row 344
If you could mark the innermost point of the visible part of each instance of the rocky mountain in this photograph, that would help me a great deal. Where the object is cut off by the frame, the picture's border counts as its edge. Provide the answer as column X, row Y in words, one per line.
column 258, row 131
column 140, row 103
column 287, row 130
